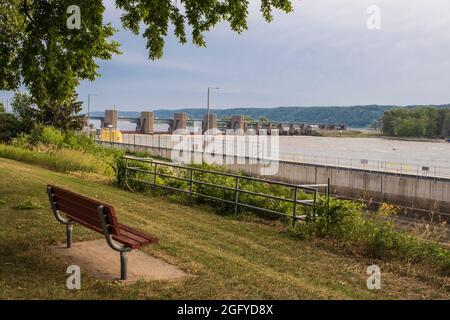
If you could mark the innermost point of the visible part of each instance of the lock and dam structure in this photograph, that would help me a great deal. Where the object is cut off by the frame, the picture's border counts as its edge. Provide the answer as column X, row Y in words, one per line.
column 421, row 190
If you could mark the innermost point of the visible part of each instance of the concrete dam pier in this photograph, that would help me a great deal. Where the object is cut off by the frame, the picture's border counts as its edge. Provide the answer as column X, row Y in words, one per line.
column 146, row 121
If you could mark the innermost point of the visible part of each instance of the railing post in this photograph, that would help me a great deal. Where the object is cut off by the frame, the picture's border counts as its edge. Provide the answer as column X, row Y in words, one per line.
column 328, row 205
column 154, row 177
column 294, row 211
column 236, row 195
column 126, row 172
column 190, row 185
column 315, row 205
column 203, row 147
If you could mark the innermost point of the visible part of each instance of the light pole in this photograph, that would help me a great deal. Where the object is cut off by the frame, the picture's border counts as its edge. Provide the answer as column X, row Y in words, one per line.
column 207, row 109
column 89, row 102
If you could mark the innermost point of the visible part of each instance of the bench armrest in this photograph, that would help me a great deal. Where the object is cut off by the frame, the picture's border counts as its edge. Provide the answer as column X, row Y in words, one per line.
column 55, row 211
column 113, row 244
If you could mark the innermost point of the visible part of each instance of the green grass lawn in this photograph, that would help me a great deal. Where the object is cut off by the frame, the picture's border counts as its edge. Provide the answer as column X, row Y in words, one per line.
column 228, row 258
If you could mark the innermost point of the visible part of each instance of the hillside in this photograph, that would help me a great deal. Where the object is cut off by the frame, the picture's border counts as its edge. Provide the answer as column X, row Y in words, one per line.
column 228, row 258
column 353, row 116
column 358, row 116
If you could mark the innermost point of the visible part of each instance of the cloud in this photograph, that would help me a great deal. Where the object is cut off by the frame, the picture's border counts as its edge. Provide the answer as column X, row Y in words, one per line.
column 139, row 59
column 321, row 54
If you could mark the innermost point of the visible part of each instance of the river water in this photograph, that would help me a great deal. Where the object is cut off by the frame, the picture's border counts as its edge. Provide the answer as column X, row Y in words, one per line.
column 380, row 149
column 404, row 156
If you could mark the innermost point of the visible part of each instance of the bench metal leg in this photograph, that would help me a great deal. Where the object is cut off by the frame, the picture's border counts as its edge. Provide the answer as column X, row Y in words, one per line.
column 123, row 265
column 69, row 229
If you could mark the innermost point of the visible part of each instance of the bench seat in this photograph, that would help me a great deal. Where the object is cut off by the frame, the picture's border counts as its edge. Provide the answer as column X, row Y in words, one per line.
column 127, row 236
column 133, row 238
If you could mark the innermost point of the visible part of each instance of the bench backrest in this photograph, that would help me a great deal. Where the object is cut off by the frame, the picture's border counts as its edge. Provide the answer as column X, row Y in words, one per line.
column 84, row 210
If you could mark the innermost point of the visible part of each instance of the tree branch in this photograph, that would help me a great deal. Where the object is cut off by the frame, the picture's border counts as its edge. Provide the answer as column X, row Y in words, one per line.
column 25, row 8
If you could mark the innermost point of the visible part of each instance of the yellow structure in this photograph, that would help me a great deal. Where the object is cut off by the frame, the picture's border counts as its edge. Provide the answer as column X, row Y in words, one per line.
column 111, row 135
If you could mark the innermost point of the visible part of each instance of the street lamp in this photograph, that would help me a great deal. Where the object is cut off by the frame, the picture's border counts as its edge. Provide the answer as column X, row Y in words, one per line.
column 89, row 102
column 207, row 110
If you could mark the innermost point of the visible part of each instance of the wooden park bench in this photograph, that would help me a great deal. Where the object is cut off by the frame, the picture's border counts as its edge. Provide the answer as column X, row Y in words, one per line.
column 99, row 217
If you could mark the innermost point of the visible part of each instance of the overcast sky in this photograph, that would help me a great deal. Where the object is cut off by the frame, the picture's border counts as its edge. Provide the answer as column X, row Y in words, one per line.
column 321, row 54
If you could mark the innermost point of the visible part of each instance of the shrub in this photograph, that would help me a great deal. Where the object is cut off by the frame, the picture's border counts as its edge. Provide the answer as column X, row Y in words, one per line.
column 382, row 240
column 133, row 177
column 10, row 127
column 22, row 140
column 45, row 135
column 268, row 203
column 212, row 191
column 79, row 141
column 338, row 218
column 377, row 235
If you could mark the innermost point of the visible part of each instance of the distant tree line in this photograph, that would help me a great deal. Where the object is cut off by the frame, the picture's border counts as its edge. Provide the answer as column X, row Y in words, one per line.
column 354, row 116
column 423, row 122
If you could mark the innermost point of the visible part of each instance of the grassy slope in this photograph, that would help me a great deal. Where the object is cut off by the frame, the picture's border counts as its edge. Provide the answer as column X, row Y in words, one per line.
column 229, row 258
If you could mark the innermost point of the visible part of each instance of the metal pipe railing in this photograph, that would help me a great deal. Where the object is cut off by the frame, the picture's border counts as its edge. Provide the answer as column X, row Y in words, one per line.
column 238, row 190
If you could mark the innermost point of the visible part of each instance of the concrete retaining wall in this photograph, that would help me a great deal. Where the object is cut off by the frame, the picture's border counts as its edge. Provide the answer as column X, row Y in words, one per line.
column 411, row 191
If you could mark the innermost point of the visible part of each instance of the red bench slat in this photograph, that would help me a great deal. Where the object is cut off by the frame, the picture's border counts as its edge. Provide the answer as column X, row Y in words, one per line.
column 75, row 212
column 149, row 238
column 70, row 199
column 84, row 211
column 129, row 242
column 87, row 225
column 132, row 236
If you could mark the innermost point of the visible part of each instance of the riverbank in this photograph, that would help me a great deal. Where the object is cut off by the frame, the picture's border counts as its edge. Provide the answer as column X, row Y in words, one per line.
column 350, row 133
